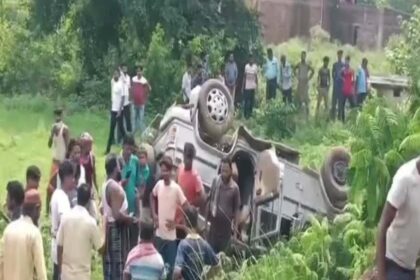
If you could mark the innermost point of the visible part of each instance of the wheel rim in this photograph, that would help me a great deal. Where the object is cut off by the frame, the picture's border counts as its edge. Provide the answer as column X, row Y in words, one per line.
column 339, row 171
column 217, row 106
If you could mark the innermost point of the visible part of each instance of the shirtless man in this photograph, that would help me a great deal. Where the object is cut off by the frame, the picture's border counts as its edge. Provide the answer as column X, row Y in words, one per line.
column 58, row 142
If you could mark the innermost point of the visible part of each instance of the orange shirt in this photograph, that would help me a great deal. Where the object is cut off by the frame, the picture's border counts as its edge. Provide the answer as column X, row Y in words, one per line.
column 191, row 185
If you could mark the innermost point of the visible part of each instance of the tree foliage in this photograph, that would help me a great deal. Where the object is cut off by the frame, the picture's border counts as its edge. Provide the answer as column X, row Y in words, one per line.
column 383, row 139
column 77, row 44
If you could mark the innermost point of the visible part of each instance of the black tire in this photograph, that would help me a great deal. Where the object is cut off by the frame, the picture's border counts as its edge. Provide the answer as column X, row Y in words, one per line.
column 334, row 174
column 215, row 109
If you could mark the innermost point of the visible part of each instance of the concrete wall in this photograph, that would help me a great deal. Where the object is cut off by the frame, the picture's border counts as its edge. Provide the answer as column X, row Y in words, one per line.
column 285, row 19
column 361, row 25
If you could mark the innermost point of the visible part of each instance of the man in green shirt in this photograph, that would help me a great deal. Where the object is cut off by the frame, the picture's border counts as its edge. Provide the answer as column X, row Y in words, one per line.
column 132, row 183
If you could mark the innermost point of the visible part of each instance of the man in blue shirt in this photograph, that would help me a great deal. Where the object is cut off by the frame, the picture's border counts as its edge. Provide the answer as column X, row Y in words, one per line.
column 362, row 82
column 193, row 251
column 337, row 84
column 271, row 73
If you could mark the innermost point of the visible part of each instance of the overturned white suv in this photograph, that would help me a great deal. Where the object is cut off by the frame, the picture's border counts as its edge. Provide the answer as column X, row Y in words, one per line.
column 277, row 195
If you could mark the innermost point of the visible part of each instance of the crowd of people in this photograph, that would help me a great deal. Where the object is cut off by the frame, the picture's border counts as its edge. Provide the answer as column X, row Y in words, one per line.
column 130, row 94
column 348, row 85
column 144, row 220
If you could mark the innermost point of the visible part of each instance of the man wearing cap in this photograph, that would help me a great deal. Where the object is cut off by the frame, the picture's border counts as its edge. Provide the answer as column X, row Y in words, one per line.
column 22, row 255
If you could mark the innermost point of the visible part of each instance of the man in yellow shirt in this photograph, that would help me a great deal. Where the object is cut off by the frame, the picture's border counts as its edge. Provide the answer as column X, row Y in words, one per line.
column 22, row 256
column 77, row 236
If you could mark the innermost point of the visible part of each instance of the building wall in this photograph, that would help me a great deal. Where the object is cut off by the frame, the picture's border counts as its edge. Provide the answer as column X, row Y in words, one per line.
column 361, row 25
column 284, row 19
column 352, row 24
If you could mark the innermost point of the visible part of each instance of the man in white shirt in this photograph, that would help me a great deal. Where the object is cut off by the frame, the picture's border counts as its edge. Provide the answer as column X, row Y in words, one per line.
column 77, row 236
column 286, row 80
column 126, row 84
column 186, row 84
column 250, row 85
column 398, row 242
column 117, row 105
column 60, row 204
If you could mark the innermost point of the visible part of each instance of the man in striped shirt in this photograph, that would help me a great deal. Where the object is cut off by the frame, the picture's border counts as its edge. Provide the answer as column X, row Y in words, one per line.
column 144, row 261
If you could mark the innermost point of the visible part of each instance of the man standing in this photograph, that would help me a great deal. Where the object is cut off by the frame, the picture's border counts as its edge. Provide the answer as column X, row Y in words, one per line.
column 398, row 242
column 304, row 73
column 126, row 85
column 190, row 182
column 77, row 236
column 224, row 208
column 15, row 196
column 193, row 252
column 133, row 185
column 347, row 75
column 206, row 66
column 169, row 197
column 271, row 73
column 147, row 183
column 60, row 204
column 141, row 89
column 88, row 161
column 337, row 84
column 58, row 141
column 59, row 138
column 231, row 76
column 117, row 105
column 286, row 80
column 362, row 82
column 324, row 81
column 23, row 250
column 199, row 77
column 116, row 220
column 33, row 176
column 250, row 86
column 186, row 84
column 144, row 261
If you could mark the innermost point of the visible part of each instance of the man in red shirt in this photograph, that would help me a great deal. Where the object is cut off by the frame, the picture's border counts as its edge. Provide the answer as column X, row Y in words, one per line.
column 347, row 75
column 140, row 92
column 191, row 184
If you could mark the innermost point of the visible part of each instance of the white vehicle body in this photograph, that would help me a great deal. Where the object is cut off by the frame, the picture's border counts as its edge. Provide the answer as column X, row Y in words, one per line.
column 277, row 195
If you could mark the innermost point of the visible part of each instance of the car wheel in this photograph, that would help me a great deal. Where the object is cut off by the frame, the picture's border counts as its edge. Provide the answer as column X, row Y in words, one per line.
column 334, row 174
column 215, row 109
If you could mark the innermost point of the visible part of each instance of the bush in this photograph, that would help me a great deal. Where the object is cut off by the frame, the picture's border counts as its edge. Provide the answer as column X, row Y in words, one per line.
column 277, row 120
column 216, row 47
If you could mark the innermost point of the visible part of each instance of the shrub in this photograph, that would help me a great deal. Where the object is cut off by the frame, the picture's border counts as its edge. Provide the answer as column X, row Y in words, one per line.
column 277, row 119
column 164, row 73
